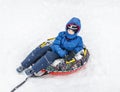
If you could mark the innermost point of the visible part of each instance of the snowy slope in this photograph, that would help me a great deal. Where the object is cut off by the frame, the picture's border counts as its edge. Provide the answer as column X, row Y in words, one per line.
column 24, row 24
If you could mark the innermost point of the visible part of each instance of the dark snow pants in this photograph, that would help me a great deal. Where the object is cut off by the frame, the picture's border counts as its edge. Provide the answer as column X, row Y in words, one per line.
column 40, row 58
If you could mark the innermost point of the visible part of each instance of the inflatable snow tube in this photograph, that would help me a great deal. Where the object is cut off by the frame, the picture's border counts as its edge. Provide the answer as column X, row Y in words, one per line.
column 62, row 67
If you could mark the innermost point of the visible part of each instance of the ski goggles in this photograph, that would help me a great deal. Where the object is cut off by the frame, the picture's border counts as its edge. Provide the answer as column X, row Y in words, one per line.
column 73, row 27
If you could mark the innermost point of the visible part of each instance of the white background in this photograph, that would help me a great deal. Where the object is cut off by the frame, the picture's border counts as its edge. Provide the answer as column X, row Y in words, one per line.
column 24, row 24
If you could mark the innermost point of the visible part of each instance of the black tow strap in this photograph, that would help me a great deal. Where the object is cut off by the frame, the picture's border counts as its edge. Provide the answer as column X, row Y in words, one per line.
column 26, row 80
column 20, row 84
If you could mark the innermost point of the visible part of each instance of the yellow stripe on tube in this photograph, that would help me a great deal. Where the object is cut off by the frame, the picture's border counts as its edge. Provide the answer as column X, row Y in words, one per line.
column 71, row 61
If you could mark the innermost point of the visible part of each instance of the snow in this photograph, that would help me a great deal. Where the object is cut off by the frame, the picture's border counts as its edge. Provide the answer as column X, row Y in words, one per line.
column 24, row 24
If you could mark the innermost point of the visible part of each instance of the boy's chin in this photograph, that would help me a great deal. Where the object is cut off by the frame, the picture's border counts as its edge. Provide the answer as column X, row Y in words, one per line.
column 71, row 34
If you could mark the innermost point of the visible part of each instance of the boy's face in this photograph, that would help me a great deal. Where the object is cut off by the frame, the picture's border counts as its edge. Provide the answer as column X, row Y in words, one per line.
column 71, row 31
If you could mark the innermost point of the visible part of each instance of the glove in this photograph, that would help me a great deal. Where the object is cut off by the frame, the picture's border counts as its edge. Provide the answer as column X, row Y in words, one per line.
column 69, row 56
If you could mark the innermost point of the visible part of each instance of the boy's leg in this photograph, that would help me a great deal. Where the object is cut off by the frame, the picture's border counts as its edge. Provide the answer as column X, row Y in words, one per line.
column 45, row 61
column 34, row 56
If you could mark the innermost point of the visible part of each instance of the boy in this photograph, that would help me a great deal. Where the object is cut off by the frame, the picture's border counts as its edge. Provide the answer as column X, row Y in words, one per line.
column 66, row 45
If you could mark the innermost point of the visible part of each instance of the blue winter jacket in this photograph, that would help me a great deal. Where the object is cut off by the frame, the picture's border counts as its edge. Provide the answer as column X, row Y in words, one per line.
column 66, row 42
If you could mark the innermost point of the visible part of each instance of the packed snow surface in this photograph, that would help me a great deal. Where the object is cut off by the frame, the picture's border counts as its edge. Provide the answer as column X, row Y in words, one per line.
column 24, row 24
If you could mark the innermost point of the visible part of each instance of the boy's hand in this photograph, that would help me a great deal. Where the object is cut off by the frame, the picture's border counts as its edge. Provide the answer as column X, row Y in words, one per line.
column 69, row 56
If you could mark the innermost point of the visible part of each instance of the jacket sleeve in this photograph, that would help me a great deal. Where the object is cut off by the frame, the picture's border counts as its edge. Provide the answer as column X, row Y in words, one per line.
column 79, row 47
column 56, row 45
